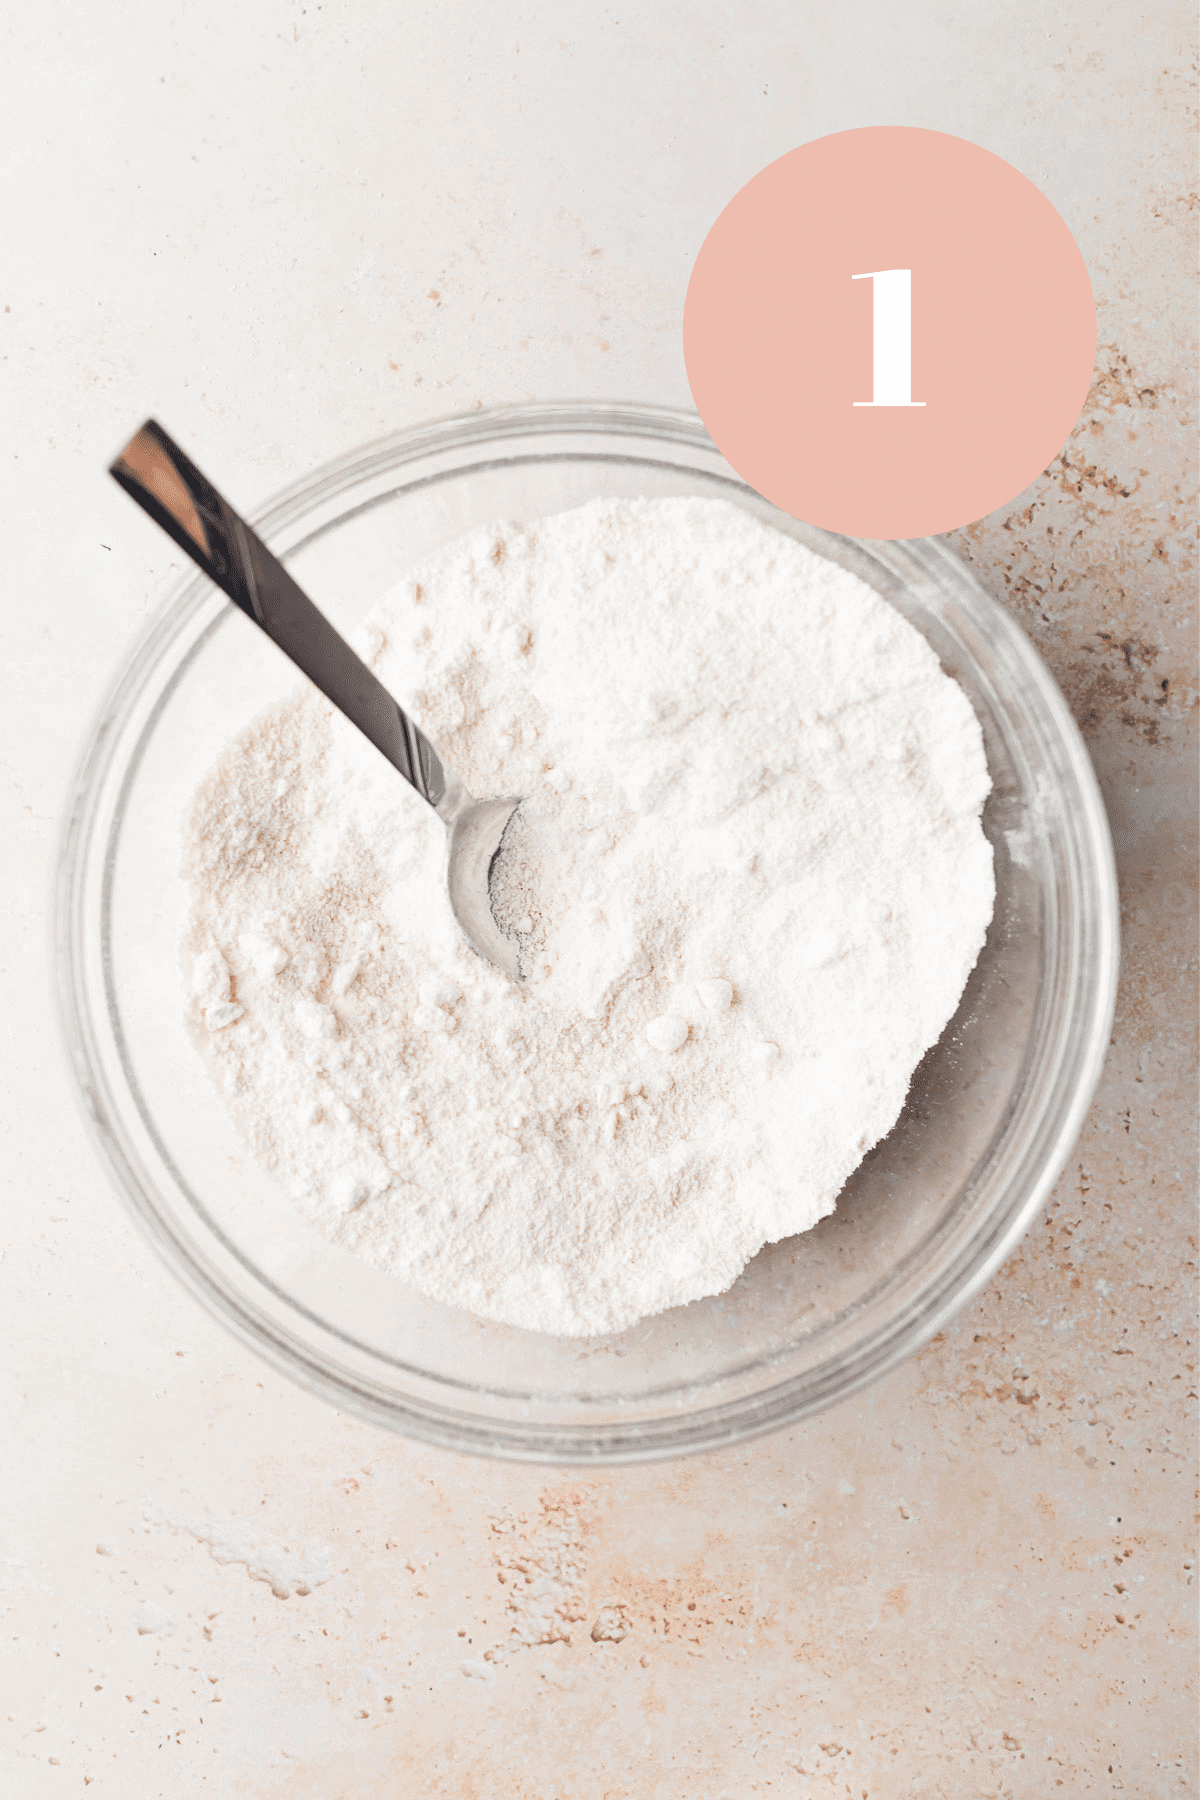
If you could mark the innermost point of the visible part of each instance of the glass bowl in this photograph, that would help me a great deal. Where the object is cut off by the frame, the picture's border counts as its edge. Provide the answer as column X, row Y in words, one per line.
column 993, row 1109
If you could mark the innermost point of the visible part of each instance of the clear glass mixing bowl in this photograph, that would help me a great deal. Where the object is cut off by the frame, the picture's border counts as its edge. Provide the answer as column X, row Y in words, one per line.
column 993, row 1109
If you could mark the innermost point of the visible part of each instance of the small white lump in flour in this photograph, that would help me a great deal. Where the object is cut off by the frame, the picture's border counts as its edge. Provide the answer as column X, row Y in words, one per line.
column 749, row 882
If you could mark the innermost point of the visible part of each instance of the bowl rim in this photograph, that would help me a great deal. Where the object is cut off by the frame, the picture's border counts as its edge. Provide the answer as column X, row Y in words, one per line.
column 547, row 1441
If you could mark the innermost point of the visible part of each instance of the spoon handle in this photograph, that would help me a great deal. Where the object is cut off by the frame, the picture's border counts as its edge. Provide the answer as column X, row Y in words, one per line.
column 167, row 485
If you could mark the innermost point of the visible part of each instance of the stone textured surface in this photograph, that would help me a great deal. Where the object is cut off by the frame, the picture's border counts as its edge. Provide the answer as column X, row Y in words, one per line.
column 287, row 228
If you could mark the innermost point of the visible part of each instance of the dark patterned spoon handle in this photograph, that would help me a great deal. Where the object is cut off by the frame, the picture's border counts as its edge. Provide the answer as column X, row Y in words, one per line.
column 188, row 507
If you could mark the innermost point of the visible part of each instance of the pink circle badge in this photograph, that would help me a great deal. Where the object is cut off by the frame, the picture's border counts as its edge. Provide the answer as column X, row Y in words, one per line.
column 889, row 332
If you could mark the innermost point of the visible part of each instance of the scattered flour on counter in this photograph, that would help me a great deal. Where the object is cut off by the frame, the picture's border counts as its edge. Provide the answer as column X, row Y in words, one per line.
column 749, row 882
column 285, row 1571
column 541, row 1568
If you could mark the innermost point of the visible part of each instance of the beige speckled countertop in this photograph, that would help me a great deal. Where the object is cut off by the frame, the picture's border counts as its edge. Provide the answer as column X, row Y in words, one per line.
column 287, row 228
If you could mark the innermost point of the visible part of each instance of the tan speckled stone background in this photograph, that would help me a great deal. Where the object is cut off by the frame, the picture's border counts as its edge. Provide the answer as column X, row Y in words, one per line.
column 285, row 228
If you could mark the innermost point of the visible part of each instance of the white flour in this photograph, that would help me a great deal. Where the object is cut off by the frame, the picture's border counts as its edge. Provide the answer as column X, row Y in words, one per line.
column 749, row 880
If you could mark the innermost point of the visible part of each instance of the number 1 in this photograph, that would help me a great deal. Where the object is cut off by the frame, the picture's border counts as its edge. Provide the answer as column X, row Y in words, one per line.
column 891, row 320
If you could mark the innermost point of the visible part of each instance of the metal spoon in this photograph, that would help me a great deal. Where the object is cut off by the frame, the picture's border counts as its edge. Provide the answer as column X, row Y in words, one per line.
column 167, row 485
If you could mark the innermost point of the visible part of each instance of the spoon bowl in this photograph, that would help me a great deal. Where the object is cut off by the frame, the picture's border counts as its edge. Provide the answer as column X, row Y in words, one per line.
column 477, row 829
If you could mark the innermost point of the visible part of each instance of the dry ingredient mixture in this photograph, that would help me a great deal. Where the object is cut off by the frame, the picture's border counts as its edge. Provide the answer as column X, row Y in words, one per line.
column 749, row 881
